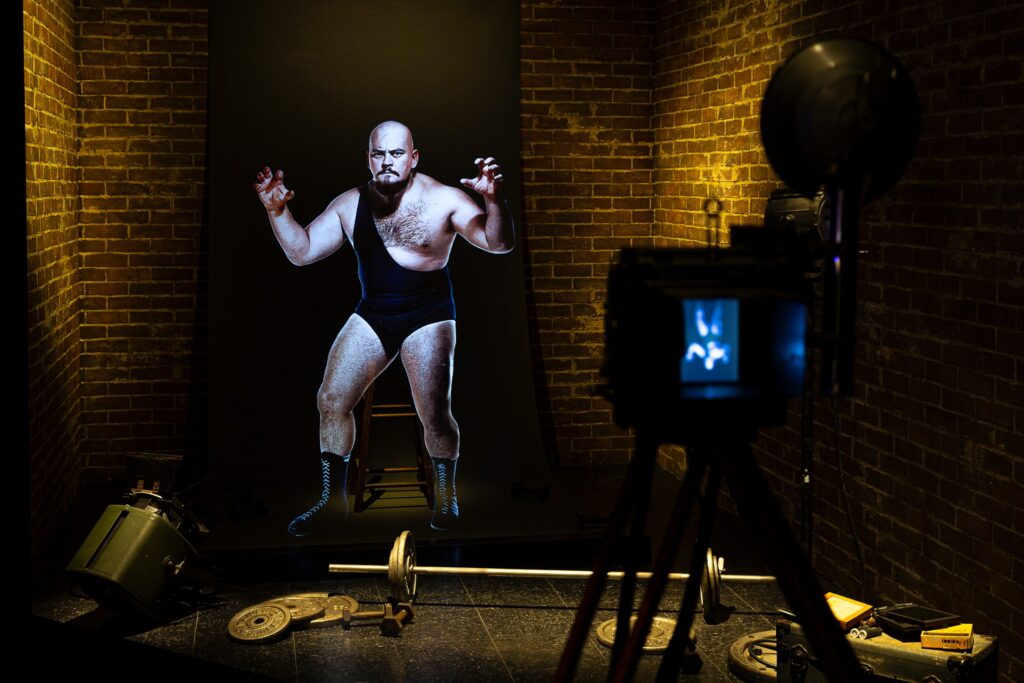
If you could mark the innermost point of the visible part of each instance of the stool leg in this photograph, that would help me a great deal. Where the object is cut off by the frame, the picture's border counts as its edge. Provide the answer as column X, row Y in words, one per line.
column 362, row 448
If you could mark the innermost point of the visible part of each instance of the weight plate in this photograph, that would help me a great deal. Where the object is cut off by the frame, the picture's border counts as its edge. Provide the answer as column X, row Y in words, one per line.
column 711, row 589
column 394, row 569
column 334, row 607
column 302, row 608
column 401, row 566
column 657, row 639
column 741, row 657
column 259, row 623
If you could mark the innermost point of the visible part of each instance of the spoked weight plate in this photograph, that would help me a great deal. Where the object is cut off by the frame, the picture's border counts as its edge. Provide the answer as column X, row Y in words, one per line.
column 401, row 565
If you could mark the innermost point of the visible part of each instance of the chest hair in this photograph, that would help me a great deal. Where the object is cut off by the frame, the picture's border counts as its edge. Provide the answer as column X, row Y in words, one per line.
column 405, row 228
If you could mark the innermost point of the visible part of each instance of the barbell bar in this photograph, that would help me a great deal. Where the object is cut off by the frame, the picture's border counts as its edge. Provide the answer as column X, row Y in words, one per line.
column 402, row 571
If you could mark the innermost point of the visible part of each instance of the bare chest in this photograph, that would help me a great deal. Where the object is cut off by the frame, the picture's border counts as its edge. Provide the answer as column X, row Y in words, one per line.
column 413, row 226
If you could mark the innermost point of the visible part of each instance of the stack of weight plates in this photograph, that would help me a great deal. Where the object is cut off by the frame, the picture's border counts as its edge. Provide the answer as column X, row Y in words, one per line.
column 272, row 619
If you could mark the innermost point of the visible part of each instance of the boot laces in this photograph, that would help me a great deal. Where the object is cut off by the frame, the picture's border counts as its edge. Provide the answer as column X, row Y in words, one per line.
column 446, row 493
column 325, row 494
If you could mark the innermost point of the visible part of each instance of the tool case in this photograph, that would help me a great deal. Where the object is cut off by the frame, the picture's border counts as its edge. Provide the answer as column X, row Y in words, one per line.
column 887, row 659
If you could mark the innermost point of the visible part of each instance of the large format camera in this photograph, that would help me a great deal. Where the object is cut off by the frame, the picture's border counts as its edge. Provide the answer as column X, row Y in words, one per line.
column 690, row 332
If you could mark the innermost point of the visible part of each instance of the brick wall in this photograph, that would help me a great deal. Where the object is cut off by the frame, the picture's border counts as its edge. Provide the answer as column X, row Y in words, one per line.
column 587, row 174
column 142, row 126
column 53, row 282
column 115, row 116
column 712, row 63
column 931, row 441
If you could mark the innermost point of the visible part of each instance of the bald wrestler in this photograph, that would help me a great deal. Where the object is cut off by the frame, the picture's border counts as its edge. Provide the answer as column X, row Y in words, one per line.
column 402, row 225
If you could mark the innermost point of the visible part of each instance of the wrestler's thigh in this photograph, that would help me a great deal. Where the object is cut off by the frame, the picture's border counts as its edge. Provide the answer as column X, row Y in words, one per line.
column 428, row 355
column 355, row 360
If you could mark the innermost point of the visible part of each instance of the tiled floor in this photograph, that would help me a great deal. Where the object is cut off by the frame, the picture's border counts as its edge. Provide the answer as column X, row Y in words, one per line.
column 466, row 629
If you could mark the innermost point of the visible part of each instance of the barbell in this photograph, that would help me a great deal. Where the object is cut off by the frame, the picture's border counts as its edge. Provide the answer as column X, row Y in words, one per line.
column 402, row 572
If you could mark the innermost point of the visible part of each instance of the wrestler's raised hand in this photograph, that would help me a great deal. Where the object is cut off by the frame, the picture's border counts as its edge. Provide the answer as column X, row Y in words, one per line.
column 488, row 178
column 271, row 190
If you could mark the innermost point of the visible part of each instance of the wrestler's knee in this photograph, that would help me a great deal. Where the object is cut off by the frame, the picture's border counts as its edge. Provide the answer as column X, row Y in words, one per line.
column 441, row 424
column 331, row 400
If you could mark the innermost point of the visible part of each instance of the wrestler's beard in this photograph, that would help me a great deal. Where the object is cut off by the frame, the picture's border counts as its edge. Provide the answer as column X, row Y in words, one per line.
column 391, row 189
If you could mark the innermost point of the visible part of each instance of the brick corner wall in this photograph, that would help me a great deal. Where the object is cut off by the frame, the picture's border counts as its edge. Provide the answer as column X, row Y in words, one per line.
column 54, row 287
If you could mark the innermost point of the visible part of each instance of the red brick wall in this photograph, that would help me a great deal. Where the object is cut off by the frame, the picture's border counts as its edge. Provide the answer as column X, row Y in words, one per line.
column 53, row 279
column 587, row 174
column 931, row 442
column 142, row 126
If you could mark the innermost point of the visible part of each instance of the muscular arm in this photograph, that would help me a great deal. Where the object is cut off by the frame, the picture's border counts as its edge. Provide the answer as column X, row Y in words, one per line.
column 302, row 246
column 491, row 230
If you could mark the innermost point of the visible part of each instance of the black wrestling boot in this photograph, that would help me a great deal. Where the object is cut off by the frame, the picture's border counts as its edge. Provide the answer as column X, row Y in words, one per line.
column 446, row 504
column 334, row 470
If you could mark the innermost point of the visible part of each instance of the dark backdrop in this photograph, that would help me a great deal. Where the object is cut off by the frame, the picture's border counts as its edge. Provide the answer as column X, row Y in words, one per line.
column 299, row 86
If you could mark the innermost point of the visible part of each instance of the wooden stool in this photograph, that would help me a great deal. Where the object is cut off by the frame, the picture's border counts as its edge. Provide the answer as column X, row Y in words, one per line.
column 358, row 485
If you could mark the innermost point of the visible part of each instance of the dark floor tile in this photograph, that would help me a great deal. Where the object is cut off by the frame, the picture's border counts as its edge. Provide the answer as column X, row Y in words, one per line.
column 530, row 641
column 62, row 606
column 571, row 592
column 531, row 593
column 591, row 668
column 275, row 659
column 449, row 644
column 529, row 621
column 448, row 667
column 360, row 653
column 436, row 591
column 762, row 597
column 177, row 636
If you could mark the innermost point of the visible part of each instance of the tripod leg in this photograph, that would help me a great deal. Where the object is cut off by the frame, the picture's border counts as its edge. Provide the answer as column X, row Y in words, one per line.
column 685, row 500
column 627, row 587
column 796, row 578
column 681, row 644
column 634, row 489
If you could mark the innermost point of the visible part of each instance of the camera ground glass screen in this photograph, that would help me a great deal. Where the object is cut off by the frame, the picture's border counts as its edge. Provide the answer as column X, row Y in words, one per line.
column 712, row 341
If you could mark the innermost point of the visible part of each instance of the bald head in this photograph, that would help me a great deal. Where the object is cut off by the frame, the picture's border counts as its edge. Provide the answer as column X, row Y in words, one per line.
column 391, row 156
column 391, row 130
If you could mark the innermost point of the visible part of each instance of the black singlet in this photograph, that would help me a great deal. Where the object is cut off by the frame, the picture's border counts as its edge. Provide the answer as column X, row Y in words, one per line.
column 396, row 301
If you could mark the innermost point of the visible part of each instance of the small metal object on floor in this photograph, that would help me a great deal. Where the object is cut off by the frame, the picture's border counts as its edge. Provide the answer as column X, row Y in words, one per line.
column 657, row 639
column 753, row 657
column 334, row 608
column 392, row 619
column 259, row 623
